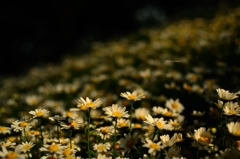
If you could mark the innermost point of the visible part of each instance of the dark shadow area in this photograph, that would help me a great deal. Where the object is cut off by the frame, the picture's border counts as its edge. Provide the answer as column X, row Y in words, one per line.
column 39, row 32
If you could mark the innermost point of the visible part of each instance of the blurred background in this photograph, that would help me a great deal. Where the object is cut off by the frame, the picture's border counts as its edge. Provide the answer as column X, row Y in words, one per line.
column 36, row 32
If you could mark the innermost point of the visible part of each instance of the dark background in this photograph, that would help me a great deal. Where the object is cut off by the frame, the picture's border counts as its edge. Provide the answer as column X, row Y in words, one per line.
column 38, row 32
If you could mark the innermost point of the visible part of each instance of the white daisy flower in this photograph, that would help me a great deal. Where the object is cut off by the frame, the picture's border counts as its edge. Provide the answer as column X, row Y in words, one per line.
column 101, row 147
column 21, row 125
column 39, row 113
column 231, row 108
column 153, row 147
column 140, row 113
column 105, row 132
column 234, row 128
column 116, row 111
column 135, row 96
column 203, row 137
column 16, row 154
column 173, row 151
column 219, row 104
column 174, row 105
column 128, row 142
column 5, row 130
column 83, row 104
column 26, row 146
column 160, row 123
column 226, row 95
column 122, row 123
column 53, row 148
column 72, row 123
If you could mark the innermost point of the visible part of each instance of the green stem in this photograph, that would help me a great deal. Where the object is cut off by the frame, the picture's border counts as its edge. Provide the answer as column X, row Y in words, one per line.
column 88, row 132
column 114, row 139
column 40, row 125
column 70, row 137
column 131, row 109
column 58, row 133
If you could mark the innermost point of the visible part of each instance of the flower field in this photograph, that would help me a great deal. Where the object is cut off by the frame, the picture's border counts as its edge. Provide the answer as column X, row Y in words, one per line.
column 170, row 92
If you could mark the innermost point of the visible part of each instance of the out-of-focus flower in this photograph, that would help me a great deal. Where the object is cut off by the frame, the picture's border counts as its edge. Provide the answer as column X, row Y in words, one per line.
column 128, row 142
column 116, row 111
column 26, row 146
column 140, row 113
column 86, row 104
column 226, row 95
column 53, row 148
column 134, row 96
column 202, row 137
column 174, row 105
column 38, row 113
column 5, row 130
column 173, row 151
column 154, row 147
column 234, row 128
column 105, row 132
column 231, row 108
column 101, row 147
column 160, row 123
column 16, row 154
column 72, row 123
column 21, row 125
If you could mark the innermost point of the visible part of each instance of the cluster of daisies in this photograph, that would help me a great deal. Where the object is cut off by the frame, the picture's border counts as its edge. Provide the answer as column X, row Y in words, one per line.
column 154, row 94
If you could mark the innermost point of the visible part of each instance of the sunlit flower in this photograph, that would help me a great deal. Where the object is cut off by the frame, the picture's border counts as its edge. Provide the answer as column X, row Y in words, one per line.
column 16, row 154
column 116, row 111
column 5, row 130
column 153, row 147
column 128, row 142
column 163, row 111
column 174, row 105
column 140, row 113
column 203, row 137
column 83, row 104
column 234, row 128
column 101, row 156
column 101, row 147
column 26, row 146
column 226, row 95
column 39, row 113
column 72, row 123
column 167, row 141
column 160, row 123
column 122, row 123
column 53, row 148
column 105, row 132
column 197, row 113
column 231, row 108
column 21, row 125
column 135, row 96
column 219, row 104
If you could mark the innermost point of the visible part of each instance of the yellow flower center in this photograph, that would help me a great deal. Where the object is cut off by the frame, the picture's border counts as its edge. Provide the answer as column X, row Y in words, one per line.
column 73, row 123
column 237, row 132
column 175, row 105
column 69, row 114
column 117, row 114
column 122, row 124
column 104, row 130
column 39, row 113
column 204, row 139
column 11, row 139
column 101, row 147
column 27, row 147
column 70, row 157
column 168, row 113
column 23, row 124
column 159, row 124
column 137, row 125
column 67, row 152
column 175, row 123
column 142, row 117
column 132, row 97
column 90, row 104
column 82, row 107
column 53, row 148
column 154, row 146
column 2, row 128
column 233, row 112
column 11, row 155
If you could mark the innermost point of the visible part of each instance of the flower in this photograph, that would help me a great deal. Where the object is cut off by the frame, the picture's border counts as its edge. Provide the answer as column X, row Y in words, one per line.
column 153, row 147
column 173, row 151
column 53, row 148
column 5, row 130
column 122, row 123
column 128, row 142
column 140, row 113
column 163, row 111
column 219, row 104
column 101, row 147
column 226, row 95
column 174, row 105
column 21, row 125
column 231, row 108
column 39, row 113
column 105, row 132
column 26, row 146
column 72, row 123
column 203, row 137
column 85, row 104
column 135, row 96
column 16, row 154
column 116, row 111
column 158, row 122
column 234, row 128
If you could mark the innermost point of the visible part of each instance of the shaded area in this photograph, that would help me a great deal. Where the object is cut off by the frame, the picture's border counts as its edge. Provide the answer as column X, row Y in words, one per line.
column 35, row 32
